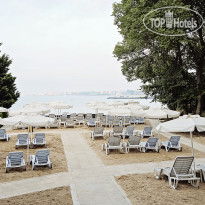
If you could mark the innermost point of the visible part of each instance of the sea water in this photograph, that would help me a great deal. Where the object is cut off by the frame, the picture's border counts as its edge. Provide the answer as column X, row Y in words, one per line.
column 77, row 101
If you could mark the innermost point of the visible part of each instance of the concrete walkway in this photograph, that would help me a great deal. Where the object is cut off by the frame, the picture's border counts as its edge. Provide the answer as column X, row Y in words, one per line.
column 93, row 183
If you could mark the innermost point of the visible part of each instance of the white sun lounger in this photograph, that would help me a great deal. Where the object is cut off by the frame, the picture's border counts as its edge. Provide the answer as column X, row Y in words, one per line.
column 22, row 140
column 113, row 143
column 147, row 132
column 3, row 135
column 117, row 131
column 141, row 120
column 98, row 132
column 133, row 143
column 173, row 143
column 180, row 171
column 70, row 123
column 15, row 160
column 129, row 131
column 41, row 158
column 91, row 122
column 151, row 144
column 39, row 140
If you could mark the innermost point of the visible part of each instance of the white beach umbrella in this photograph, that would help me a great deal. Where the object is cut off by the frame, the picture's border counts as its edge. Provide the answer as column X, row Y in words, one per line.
column 59, row 106
column 2, row 109
column 95, row 105
column 119, row 112
column 30, row 111
column 156, row 113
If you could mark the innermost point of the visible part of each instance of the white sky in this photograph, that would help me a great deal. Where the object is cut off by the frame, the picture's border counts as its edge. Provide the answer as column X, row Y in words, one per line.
column 62, row 45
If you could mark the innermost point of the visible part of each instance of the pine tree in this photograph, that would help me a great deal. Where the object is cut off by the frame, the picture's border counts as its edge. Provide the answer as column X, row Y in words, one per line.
column 8, row 91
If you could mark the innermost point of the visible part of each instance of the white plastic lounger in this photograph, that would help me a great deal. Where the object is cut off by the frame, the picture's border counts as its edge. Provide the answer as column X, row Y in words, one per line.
column 173, row 143
column 98, row 132
column 41, row 158
column 55, row 124
column 15, row 160
column 105, row 122
column 117, row 131
column 133, row 120
column 141, row 120
column 22, row 140
column 180, row 171
column 116, row 122
column 129, row 131
column 70, row 123
column 126, row 121
column 91, row 122
column 3, row 135
column 80, row 120
column 39, row 140
column 147, row 132
column 113, row 143
column 133, row 143
column 151, row 144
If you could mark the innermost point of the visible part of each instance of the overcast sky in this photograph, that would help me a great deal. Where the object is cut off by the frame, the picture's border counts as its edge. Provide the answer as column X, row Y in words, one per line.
column 62, row 45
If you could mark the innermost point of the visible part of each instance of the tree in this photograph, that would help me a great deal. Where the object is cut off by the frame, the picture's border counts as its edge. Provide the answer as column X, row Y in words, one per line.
column 172, row 69
column 8, row 90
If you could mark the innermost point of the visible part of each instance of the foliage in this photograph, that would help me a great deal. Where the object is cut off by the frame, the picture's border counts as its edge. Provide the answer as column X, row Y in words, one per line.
column 172, row 69
column 8, row 91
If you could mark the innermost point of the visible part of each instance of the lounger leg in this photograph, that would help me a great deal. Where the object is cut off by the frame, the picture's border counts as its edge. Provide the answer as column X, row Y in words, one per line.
column 173, row 185
column 195, row 183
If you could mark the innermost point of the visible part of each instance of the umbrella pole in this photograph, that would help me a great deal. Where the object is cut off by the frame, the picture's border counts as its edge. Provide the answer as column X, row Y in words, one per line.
column 28, row 146
column 192, row 149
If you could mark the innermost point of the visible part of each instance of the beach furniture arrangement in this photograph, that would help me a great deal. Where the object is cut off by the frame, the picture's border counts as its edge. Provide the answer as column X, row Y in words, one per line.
column 15, row 160
column 151, row 144
column 70, row 123
column 41, row 158
column 98, row 132
column 147, row 132
column 141, row 120
column 3, row 135
column 22, row 140
column 180, row 171
column 39, row 140
column 173, row 143
column 91, row 122
column 113, row 143
column 133, row 143
column 129, row 131
column 117, row 131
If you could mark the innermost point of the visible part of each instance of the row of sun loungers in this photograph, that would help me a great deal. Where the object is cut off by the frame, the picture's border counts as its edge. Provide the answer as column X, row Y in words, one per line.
column 100, row 119
column 16, row 160
column 23, row 140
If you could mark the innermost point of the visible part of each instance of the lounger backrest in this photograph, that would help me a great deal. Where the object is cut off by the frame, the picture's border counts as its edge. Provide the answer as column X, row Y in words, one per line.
column 80, row 118
column 126, row 120
column 141, row 119
column 130, row 130
column 98, row 130
column 15, row 158
column 181, row 166
column 152, row 141
column 134, row 140
column 92, row 121
column 42, row 156
column 39, row 137
column 114, row 141
column 174, row 140
column 63, row 117
column 22, row 138
column 148, row 130
column 133, row 119
column 2, row 132
column 117, row 129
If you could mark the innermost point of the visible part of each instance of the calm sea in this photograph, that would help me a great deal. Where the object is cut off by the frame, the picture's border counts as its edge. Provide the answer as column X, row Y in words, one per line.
column 77, row 101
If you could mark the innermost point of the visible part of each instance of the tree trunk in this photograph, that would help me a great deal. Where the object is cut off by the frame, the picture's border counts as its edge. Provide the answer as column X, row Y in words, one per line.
column 199, row 95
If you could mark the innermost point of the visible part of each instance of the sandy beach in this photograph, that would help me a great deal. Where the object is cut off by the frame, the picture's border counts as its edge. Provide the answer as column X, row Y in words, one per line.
column 57, row 157
column 60, row 195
